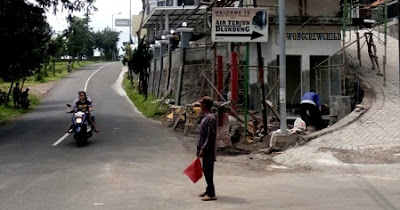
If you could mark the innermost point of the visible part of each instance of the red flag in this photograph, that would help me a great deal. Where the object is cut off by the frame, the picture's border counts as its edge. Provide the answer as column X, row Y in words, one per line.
column 194, row 171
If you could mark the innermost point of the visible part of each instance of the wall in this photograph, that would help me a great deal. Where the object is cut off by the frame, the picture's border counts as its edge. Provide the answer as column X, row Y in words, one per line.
column 192, row 78
column 305, row 48
column 314, row 7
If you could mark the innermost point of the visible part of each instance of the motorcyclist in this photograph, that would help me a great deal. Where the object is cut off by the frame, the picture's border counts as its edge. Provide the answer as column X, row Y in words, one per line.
column 86, row 106
column 77, row 98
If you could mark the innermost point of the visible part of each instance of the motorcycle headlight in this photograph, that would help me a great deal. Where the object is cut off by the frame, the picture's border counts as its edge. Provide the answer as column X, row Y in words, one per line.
column 78, row 120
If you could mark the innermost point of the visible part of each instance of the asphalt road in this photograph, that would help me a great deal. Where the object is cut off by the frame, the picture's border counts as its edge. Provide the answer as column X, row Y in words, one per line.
column 135, row 163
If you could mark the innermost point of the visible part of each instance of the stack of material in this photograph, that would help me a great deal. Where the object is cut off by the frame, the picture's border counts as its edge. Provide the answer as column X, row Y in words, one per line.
column 255, row 131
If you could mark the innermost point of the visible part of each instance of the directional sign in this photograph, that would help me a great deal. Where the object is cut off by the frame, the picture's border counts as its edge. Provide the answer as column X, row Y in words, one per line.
column 121, row 22
column 239, row 24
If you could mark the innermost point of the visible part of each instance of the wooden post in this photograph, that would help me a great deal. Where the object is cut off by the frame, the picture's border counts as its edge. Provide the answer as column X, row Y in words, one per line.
column 261, row 80
column 235, row 80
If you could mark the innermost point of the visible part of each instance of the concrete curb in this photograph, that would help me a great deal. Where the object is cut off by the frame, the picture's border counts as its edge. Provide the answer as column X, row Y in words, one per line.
column 368, row 101
column 121, row 91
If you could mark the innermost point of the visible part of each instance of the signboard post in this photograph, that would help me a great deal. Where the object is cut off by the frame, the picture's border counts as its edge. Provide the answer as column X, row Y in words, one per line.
column 239, row 24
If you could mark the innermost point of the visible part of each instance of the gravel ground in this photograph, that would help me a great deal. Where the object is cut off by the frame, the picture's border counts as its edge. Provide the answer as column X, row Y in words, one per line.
column 370, row 156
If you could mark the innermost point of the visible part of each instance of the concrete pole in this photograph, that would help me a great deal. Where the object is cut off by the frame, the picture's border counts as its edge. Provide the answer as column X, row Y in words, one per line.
column 282, row 64
column 167, row 23
column 398, row 38
column 161, row 26
column 169, row 37
column 186, row 34
column 162, row 50
column 130, row 21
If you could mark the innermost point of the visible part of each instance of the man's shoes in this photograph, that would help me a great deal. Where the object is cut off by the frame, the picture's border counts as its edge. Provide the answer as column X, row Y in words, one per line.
column 209, row 198
column 203, row 195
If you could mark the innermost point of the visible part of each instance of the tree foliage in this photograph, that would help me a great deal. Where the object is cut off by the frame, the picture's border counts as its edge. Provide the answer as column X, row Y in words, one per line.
column 139, row 63
column 106, row 42
column 68, row 5
column 24, row 39
column 79, row 37
column 141, row 58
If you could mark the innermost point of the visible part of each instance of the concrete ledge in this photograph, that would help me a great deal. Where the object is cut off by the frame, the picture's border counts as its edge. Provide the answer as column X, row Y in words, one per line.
column 283, row 142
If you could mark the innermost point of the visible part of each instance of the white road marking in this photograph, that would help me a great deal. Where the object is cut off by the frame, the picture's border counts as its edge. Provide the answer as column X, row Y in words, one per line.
column 117, row 87
column 86, row 85
column 87, row 81
column 61, row 139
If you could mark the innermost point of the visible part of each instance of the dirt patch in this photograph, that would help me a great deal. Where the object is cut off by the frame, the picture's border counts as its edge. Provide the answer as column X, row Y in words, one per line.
column 41, row 89
column 369, row 156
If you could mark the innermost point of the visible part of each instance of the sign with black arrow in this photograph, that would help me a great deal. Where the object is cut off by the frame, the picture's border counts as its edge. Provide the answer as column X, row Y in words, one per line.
column 239, row 24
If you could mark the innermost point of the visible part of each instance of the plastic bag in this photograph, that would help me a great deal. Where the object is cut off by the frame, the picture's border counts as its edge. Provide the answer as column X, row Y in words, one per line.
column 299, row 124
column 194, row 171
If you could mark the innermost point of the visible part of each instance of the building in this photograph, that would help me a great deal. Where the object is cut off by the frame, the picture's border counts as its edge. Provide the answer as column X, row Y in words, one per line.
column 315, row 40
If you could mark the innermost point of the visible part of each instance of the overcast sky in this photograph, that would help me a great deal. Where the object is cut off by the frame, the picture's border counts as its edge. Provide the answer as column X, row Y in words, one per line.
column 101, row 18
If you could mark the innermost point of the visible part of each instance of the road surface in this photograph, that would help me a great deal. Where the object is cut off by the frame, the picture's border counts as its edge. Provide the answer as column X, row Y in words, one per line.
column 135, row 163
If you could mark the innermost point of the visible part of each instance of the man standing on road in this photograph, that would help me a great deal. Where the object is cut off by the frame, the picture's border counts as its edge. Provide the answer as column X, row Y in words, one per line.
column 206, row 147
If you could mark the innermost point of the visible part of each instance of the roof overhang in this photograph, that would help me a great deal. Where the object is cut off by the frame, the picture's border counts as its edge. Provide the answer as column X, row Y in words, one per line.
column 189, row 14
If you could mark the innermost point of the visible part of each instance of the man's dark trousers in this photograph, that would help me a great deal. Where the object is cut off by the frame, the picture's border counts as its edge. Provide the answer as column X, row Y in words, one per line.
column 314, row 119
column 208, row 171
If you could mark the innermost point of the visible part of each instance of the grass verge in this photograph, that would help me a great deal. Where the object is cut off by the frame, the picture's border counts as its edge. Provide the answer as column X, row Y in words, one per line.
column 9, row 112
column 150, row 108
column 61, row 71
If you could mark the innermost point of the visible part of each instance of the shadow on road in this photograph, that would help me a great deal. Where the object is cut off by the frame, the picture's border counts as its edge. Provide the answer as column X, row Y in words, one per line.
column 231, row 200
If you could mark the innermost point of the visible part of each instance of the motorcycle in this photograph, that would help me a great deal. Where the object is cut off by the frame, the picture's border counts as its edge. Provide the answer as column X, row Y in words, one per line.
column 81, row 126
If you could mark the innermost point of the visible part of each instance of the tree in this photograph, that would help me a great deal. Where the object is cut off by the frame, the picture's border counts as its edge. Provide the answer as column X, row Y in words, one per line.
column 55, row 49
column 23, row 39
column 68, row 5
column 106, row 42
column 79, row 38
column 139, row 63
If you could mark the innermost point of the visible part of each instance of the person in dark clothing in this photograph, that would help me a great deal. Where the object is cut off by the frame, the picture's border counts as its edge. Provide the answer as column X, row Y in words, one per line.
column 24, row 100
column 310, row 113
column 206, row 147
column 16, row 95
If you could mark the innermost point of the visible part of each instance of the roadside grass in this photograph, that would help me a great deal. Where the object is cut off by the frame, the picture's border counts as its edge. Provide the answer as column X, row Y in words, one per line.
column 35, row 79
column 150, row 108
column 61, row 66
column 9, row 112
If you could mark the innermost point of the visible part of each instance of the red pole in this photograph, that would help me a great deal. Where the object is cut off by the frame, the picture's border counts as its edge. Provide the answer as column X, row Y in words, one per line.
column 220, row 76
column 235, row 80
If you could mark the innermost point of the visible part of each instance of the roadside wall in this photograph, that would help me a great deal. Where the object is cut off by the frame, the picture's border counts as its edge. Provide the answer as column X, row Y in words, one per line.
column 197, row 60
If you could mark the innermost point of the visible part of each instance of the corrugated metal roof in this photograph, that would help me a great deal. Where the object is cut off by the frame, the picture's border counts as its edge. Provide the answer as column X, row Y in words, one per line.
column 176, row 15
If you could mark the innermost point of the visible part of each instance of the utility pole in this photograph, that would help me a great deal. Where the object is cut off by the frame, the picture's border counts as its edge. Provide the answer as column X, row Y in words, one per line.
column 130, row 22
column 398, row 38
column 282, row 64
column 262, row 85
